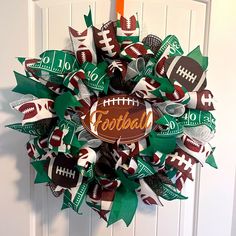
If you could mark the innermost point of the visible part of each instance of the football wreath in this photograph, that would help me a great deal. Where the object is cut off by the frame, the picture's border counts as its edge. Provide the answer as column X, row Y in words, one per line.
column 117, row 119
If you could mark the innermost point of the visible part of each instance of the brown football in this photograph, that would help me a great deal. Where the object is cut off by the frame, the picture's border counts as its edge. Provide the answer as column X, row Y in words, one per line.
column 186, row 71
column 121, row 117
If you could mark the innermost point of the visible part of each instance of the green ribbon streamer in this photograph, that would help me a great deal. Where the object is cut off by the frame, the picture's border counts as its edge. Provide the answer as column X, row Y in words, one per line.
column 35, row 128
column 124, row 206
column 129, row 184
column 21, row 59
column 26, row 85
column 171, row 172
column 71, row 127
column 88, row 18
column 211, row 160
column 125, row 202
column 78, row 199
column 64, row 101
column 77, row 143
column 170, row 194
column 94, row 206
column 143, row 170
column 41, row 176
column 196, row 55
column 56, row 62
column 165, row 144
column 194, row 117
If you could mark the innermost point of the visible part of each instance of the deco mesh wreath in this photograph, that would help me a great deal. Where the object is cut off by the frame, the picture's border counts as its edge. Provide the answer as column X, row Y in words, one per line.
column 116, row 119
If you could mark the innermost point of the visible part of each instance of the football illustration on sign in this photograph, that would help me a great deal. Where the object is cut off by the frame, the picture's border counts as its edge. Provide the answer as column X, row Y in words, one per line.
column 186, row 71
column 121, row 117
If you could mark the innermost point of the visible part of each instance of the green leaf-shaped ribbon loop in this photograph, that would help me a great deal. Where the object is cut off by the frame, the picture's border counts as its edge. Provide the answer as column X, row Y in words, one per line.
column 26, row 85
column 196, row 55
column 88, row 18
column 164, row 144
column 125, row 202
column 124, row 206
column 41, row 176
column 211, row 160
column 64, row 101
column 169, row 193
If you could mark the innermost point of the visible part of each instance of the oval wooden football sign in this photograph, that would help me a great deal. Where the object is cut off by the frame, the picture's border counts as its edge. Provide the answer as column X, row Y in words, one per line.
column 121, row 117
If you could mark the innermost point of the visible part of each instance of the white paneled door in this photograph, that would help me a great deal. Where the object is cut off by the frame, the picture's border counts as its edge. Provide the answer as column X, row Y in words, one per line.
column 48, row 22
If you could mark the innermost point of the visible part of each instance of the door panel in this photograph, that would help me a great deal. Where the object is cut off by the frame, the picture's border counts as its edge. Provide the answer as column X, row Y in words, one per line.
column 186, row 19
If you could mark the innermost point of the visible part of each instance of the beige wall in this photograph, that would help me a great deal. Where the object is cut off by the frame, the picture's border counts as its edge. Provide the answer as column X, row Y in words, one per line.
column 217, row 187
column 14, row 166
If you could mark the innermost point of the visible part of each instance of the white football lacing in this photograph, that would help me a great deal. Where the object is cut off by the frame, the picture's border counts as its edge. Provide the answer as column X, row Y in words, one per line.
column 128, row 23
column 207, row 101
column 83, row 56
column 192, row 142
column 107, row 48
column 181, row 160
column 186, row 74
column 136, row 51
column 28, row 110
column 121, row 101
column 65, row 172
column 114, row 65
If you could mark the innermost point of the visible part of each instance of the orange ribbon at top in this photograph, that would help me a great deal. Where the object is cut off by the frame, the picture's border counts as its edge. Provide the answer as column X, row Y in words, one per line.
column 119, row 8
